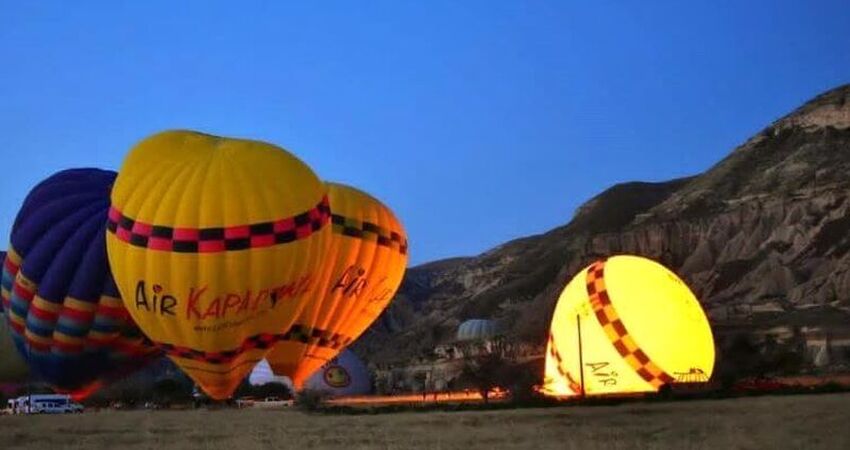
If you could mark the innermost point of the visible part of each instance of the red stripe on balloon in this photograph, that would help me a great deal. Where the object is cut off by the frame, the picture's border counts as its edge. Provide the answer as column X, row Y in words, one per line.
column 18, row 328
column 114, row 312
column 37, row 346
column 77, row 315
column 42, row 314
column 67, row 347
column 23, row 292
column 10, row 266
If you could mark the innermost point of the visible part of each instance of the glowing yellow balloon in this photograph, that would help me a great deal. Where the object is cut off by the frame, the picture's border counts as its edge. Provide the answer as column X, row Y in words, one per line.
column 641, row 328
column 215, row 244
column 366, row 261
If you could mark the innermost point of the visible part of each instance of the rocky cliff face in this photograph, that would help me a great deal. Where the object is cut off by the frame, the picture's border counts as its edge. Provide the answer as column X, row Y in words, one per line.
column 763, row 238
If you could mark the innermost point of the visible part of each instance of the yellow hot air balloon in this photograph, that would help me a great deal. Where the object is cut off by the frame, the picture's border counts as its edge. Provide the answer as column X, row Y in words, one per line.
column 215, row 244
column 640, row 328
column 366, row 261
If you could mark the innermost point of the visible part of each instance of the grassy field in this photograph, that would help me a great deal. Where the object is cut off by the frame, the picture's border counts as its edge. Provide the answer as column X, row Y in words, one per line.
column 804, row 422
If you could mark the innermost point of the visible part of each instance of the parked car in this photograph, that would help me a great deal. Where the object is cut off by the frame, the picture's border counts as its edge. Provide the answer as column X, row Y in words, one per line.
column 44, row 404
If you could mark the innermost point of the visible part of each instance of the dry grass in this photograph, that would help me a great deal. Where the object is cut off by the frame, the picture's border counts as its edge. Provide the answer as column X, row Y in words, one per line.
column 803, row 422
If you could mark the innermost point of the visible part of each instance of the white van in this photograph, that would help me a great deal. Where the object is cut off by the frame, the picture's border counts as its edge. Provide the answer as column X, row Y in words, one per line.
column 44, row 404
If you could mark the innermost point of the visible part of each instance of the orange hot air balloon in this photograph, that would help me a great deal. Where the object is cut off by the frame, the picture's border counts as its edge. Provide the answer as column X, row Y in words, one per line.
column 215, row 244
column 366, row 261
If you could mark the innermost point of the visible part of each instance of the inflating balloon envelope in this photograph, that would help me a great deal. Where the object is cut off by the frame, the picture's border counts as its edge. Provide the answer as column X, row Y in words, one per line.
column 343, row 375
column 626, row 324
column 216, row 245
column 62, row 306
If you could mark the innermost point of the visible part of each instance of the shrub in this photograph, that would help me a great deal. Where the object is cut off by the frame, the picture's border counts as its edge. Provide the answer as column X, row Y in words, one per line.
column 310, row 399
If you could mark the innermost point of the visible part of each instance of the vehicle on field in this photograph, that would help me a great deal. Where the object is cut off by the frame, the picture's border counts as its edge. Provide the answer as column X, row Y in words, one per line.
column 43, row 404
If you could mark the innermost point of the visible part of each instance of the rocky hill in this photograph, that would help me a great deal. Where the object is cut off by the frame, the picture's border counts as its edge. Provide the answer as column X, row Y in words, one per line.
column 763, row 238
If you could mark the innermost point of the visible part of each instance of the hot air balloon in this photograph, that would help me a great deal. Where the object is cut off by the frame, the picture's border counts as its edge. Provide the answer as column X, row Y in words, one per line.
column 477, row 330
column 62, row 306
column 215, row 244
column 343, row 375
column 366, row 261
column 626, row 324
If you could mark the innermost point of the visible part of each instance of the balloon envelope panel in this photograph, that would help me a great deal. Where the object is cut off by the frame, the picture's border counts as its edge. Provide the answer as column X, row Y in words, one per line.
column 365, row 263
column 344, row 375
column 215, row 243
column 62, row 306
column 641, row 328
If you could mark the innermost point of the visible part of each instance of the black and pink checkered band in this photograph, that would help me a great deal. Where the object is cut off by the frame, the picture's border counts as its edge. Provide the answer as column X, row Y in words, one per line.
column 263, row 341
column 218, row 239
column 369, row 231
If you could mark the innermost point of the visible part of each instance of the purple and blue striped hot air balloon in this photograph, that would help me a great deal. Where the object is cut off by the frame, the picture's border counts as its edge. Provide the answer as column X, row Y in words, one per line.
column 62, row 305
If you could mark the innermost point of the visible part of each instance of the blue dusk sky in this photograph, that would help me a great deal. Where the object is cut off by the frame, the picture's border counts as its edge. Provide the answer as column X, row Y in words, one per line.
column 477, row 122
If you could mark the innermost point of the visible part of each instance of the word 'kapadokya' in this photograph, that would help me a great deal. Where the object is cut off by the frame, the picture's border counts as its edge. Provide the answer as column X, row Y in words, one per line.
column 200, row 304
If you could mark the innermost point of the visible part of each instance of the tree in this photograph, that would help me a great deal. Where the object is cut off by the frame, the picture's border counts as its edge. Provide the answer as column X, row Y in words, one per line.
column 739, row 359
column 522, row 380
column 743, row 357
column 421, row 380
column 484, row 373
column 310, row 399
column 32, row 388
column 383, row 385
column 169, row 390
column 130, row 395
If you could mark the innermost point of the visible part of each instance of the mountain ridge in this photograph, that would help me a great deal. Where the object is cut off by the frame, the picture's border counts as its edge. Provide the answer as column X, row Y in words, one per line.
column 762, row 237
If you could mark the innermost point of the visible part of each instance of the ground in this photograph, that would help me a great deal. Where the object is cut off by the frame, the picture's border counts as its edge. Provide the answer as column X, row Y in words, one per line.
column 805, row 422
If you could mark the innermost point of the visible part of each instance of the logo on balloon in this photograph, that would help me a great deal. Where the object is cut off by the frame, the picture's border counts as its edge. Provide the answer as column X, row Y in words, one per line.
column 337, row 377
column 164, row 304
column 352, row 282
column 382, row 293
column 201, row 305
